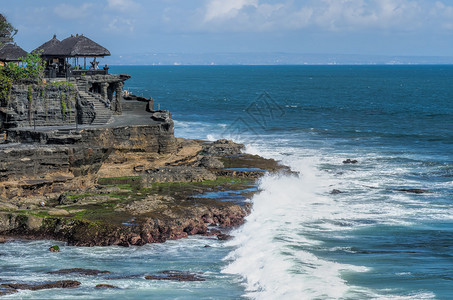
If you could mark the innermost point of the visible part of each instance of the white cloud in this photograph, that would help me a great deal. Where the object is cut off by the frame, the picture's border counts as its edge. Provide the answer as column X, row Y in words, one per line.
column 120, row 25
column 73, row 12
column 446, row 14
column 221, row 9
column 330, row 15
column 122, row 5
column 359, row 14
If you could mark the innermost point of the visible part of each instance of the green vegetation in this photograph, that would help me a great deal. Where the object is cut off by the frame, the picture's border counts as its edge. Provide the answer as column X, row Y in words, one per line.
column 11, row 73
column 32, row 69
column 63, row 107
column 7, row 31
column 5, row 85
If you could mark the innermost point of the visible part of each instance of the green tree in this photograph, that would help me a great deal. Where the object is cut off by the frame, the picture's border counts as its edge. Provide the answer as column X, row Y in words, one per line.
column 7, row 31
column 34, row 67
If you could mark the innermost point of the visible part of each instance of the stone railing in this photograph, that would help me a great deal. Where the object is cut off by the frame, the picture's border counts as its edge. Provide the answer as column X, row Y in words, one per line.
column 82, row 72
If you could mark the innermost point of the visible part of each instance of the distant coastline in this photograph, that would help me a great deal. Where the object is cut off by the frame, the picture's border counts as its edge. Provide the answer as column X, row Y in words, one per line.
column 272, row 58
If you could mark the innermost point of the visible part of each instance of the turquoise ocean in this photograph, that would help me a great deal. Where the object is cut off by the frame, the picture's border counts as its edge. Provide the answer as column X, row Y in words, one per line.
column 338, row 230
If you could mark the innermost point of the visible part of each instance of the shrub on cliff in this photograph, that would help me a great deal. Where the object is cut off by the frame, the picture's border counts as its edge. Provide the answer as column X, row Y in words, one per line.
column 32, row 71
column 5, row 85
column 7, row 31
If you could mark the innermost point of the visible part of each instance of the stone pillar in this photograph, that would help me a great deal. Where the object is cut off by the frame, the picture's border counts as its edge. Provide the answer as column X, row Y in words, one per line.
column 150, row 105
column 104, row 94
column 110, row 93
column 119, row 95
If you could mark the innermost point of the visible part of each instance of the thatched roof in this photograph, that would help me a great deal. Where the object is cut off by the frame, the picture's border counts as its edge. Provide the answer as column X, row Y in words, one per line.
column 12, row 52
column 74, row 46
column 47, row 46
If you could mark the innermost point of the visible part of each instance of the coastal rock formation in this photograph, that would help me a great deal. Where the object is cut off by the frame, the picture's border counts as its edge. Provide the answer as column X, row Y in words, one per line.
column 178, row 174
column 40, row 105
column 222, row 147
column 131, row 211
column 175, row 276
column 152, row 188
column 152, row 138
column 43, row 164
column 413, row 191
column 79, row 271
column 105, row 286
column 62, row 284
column 350, row 161
column 37, row 171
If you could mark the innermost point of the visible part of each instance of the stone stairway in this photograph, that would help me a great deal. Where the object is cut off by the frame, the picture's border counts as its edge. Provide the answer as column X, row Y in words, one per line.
column 103, row 113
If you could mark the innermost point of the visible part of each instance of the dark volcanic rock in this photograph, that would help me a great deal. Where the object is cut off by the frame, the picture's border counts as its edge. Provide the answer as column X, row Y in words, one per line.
column 7, row 291
column 106, row 286
column 62, row 284
column 222, row 147
column 175, row 276
column 64, row 200
column 178, row 174
column 224, row 237
column 413, row 191
column 210, row 162
column 79, row 271
column 350, row 161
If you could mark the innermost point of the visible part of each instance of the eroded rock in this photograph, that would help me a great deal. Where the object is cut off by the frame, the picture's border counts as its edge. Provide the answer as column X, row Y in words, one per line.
column 61, row 284
column 178, row 174
column 80, row 271
column 105, row 286
column 210, row 162
column 350, row 161
column 413, row 191
column 222, row 147
column 175, row 276
column 224, row 237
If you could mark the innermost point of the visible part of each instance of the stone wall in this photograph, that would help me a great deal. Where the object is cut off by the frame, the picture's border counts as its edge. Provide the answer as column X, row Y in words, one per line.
column 40, row 105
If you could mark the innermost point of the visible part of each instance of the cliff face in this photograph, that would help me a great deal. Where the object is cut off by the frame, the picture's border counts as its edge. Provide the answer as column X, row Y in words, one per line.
column 152, row 138
column 43, row 164
column 28, row 105
column 39, row 171
column 185, row 197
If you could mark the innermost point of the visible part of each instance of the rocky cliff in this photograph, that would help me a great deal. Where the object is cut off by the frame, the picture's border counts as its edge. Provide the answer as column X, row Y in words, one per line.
column 42, row 164
column 41, row 105
column 156, row 204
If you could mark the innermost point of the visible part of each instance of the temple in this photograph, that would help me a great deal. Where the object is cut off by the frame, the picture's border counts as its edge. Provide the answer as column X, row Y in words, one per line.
column 11, row 53
column 76, row 89
column 62, row 58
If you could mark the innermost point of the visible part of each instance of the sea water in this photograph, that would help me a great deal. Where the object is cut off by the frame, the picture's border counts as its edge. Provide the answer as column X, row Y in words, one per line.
column 336, row 230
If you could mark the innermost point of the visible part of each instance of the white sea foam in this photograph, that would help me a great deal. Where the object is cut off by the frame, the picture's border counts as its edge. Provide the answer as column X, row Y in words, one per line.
column 274, row 248
column 270, row 248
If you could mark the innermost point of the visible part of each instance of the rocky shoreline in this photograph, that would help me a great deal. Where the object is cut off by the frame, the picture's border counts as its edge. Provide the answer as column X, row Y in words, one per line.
column 182, row 193
column 126, row 183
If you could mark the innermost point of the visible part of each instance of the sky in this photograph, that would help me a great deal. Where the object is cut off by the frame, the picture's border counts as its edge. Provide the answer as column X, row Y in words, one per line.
column 140, row 31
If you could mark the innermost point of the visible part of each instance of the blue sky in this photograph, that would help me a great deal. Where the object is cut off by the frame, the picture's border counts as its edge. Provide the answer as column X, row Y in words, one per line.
column 128, row 27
